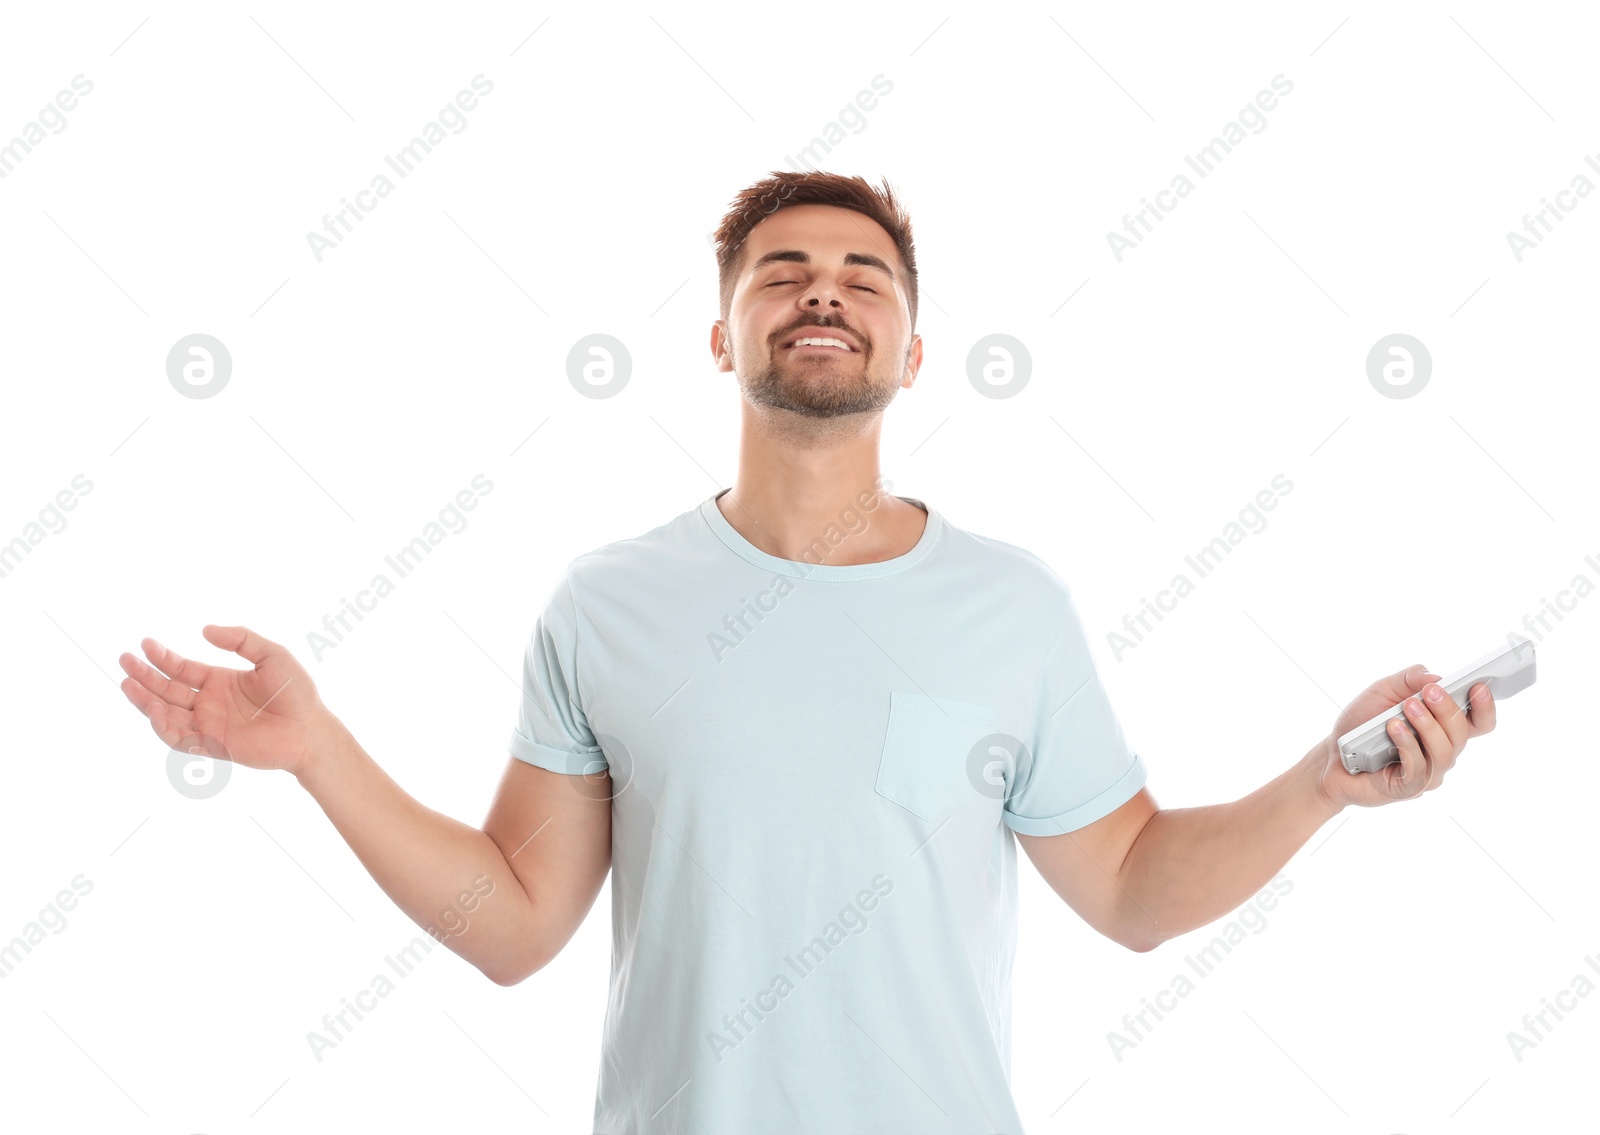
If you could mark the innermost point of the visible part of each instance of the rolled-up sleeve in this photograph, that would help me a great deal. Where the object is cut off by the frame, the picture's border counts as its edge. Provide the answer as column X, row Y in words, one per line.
column 552, row 731
column 1078, row 766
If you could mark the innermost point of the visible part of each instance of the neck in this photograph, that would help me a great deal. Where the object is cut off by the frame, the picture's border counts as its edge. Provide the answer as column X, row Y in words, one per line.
column 816, row 496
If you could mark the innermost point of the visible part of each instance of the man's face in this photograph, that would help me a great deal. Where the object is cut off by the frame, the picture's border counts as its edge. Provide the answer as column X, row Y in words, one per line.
column 819, row 271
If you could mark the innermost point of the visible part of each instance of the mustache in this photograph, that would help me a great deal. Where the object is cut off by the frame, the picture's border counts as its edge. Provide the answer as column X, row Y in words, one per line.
column 794, row 331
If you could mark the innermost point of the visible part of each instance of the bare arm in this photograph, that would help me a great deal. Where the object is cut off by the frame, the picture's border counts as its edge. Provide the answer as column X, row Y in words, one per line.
column 1141, row 874
column 506, row 898
column 554, row 829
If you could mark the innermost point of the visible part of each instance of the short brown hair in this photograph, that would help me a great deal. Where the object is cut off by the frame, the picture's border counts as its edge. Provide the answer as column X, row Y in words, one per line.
column 784, row 188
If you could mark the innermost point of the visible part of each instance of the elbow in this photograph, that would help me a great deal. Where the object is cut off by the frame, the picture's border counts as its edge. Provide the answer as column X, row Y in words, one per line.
column 505, row 979
column 516, row 975
column 1133, row 926
column 1141, row 940
column 528, row 952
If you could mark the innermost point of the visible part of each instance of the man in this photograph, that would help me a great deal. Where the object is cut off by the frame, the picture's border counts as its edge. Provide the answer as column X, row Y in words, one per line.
column 800, row 724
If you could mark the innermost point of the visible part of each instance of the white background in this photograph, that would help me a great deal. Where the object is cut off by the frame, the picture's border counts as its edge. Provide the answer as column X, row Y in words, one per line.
column 369, row 388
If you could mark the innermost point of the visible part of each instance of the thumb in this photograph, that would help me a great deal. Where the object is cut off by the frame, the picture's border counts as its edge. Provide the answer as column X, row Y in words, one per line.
column 241, row 640
column 1410, row 680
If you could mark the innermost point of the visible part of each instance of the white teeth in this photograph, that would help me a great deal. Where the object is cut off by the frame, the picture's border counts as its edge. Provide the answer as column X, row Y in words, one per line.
column 814, row 342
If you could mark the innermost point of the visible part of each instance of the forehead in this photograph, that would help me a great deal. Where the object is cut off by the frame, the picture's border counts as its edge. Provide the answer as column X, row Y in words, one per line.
column 823, row 231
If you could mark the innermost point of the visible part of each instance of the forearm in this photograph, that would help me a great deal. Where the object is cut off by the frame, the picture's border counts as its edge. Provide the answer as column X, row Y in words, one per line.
column 449, row 878
column 1190, row 866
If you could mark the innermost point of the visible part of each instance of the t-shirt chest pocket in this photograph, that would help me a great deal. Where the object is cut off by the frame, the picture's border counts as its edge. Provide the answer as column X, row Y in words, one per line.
column 928, row 765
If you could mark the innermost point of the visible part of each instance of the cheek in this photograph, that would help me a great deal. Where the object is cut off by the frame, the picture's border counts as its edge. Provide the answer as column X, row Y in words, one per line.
column 762, row 320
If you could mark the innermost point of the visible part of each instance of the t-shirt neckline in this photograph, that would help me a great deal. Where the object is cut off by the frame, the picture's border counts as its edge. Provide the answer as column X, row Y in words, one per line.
column 800, row 569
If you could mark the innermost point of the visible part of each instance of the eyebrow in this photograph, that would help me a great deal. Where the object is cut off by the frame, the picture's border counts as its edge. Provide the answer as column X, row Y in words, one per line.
column 796, row 256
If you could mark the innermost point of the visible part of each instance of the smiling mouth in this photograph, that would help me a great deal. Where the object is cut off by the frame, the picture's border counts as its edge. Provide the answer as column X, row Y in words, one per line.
column 821, row 342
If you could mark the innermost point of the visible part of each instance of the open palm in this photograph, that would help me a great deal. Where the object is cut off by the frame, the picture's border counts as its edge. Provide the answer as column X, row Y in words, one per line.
column 265, row 718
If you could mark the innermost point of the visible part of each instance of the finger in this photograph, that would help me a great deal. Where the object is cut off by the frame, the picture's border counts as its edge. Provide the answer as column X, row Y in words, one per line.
column 241, row 640
column 167, row 721
column 1409, row 777
column 175, row 693
column 1452, row 720
column 1481, row 702
column 1435, row 743
column 175, row 665
column 1402, row 682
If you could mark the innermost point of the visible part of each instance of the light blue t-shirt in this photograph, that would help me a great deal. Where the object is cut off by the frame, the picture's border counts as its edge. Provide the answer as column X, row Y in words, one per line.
column 817, row 771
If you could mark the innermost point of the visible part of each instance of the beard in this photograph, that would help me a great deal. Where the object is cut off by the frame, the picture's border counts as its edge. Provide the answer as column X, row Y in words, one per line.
column 819, row 386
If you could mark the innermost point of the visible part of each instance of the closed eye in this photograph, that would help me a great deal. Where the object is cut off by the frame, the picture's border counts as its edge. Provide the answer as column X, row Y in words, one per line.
column 863, row 287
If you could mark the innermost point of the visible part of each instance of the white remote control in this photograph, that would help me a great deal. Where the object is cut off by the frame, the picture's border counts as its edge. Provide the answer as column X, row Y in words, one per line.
column 1367, row 747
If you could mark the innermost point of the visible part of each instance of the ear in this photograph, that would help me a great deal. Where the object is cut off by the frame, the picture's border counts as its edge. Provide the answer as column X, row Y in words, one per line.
column 913, row 363
column 720, row 345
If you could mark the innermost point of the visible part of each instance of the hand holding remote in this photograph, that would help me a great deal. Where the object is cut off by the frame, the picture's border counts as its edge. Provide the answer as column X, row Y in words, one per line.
column 1505, row 670
column 1429, row 733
